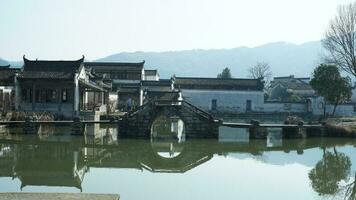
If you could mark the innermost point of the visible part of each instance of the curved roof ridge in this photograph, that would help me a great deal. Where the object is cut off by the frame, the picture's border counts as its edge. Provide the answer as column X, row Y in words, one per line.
column 211, row 78
column 5, row 66
column 28, row 60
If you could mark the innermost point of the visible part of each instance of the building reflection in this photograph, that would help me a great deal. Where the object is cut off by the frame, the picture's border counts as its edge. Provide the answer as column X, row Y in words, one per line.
column 64, row 160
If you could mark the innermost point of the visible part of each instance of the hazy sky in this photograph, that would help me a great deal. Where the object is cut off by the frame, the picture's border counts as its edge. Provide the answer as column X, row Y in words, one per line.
column 66, row 29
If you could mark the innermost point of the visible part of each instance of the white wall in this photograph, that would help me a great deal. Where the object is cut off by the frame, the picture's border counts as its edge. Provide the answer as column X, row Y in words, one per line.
column 235, row 101
column 151, row 77
column 353, row 98
column 227, row 100
column 341, row 110
column 272, row 107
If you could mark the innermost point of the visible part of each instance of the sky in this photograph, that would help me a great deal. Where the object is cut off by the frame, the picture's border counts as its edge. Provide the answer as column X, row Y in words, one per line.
column 68, row 29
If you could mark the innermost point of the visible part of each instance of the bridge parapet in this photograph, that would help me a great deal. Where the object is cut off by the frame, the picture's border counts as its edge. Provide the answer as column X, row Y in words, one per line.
column 197, row 122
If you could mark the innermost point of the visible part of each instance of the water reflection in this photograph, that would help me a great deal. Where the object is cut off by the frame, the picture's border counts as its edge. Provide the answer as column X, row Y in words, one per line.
column 67, row 161
column 168, row 136
column 329, row 174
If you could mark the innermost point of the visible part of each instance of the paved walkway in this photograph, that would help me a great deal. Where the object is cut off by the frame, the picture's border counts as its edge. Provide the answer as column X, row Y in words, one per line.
column 57, row 196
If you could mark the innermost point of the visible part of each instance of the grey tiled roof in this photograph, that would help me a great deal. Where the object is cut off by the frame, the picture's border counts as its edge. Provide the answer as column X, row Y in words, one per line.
column 162, row 96
column 115, row 65
column 151, row 72
column 294, row 85
column 50, row 69
column 46, row 75
column 162, row 82
column 218, row 83
column 7, row 74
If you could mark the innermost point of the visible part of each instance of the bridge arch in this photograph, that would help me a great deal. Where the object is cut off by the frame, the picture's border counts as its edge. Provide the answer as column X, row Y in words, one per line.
column 198, row 123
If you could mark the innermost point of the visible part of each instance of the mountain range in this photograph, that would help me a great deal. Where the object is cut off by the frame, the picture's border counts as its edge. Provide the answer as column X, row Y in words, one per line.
column 284, row 58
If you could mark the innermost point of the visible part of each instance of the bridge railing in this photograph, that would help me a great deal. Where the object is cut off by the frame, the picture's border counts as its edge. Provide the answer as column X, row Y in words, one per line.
column 184, row 103
column 198, row 110
column 138, row 109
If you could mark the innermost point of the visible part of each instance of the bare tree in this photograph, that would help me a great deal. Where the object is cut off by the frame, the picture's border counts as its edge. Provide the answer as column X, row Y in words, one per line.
column 340, row 38
column 261, row 70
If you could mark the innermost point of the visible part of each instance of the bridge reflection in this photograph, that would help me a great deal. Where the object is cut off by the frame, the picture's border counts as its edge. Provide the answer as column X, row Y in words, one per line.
column 56, row 159
column 41, row 162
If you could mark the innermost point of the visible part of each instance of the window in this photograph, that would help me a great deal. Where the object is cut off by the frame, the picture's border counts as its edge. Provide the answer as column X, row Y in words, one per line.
column 214, row 104
column 43, row 95
column 26, row 95
column 64, row 95
column 51, row 95
column 248, row 105
column 54, row 94
column 38, row 96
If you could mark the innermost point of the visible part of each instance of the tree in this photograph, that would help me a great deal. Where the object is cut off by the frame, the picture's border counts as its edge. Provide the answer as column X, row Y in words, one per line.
column 328, row 83
column 261, row 70
column 225, row 74
column 340, row 38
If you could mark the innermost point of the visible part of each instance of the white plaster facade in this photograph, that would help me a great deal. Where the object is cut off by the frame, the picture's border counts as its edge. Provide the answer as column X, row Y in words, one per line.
column 348, row 109
column 282, row 107
column 226, row 100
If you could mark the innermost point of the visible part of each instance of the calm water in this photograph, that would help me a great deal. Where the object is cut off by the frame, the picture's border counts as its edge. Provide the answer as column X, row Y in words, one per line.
column 232, row 167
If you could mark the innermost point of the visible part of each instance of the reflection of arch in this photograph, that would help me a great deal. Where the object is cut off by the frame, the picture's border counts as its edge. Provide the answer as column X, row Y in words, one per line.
column 167, row 149
column 185, row 161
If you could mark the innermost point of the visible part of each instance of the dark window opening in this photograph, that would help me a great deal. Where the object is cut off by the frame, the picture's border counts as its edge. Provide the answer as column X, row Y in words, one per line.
column 214, row 104
column 64, row 95
column 26, row 95
column 248, row 105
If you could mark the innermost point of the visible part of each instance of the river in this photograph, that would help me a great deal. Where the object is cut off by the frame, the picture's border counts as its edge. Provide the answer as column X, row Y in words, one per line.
column 231, row 167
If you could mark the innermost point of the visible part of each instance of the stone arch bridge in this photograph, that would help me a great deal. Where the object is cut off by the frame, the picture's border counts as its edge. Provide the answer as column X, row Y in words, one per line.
column 197, row 122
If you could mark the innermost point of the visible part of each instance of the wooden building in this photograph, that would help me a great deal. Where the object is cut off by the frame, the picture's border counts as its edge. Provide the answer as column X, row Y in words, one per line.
column 55, row 86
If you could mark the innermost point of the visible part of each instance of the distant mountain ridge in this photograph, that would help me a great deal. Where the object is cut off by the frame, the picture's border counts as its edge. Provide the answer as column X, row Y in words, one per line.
column 284, row 59
column 3, row 62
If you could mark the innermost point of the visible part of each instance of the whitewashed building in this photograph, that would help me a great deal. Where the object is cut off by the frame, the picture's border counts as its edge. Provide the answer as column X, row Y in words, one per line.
column 222, row 95
column 283, row 87
column 151, row 75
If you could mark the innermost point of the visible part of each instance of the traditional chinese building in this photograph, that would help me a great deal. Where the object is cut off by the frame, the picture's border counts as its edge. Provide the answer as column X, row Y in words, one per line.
column 151, row 75
column 283, row 88
column 126, row 80
column 55, row 86
column 7, row 76
column 215, row 94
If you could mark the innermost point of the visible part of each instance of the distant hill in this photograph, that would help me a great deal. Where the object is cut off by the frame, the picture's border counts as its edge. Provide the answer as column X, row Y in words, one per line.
column 3, row 62
column 12, row 63
column 284, row 59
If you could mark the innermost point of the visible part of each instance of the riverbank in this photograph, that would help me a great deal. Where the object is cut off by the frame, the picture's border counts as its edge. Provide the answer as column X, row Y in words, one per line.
column 343, row 126
column 57, row 196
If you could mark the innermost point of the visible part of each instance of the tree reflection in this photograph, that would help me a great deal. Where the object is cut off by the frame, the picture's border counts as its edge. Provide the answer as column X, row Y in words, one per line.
column 328, row 172
column 350, row 193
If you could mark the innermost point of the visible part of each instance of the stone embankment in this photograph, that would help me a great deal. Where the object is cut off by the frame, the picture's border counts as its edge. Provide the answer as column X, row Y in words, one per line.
column 57, row 196
column 341, row 127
